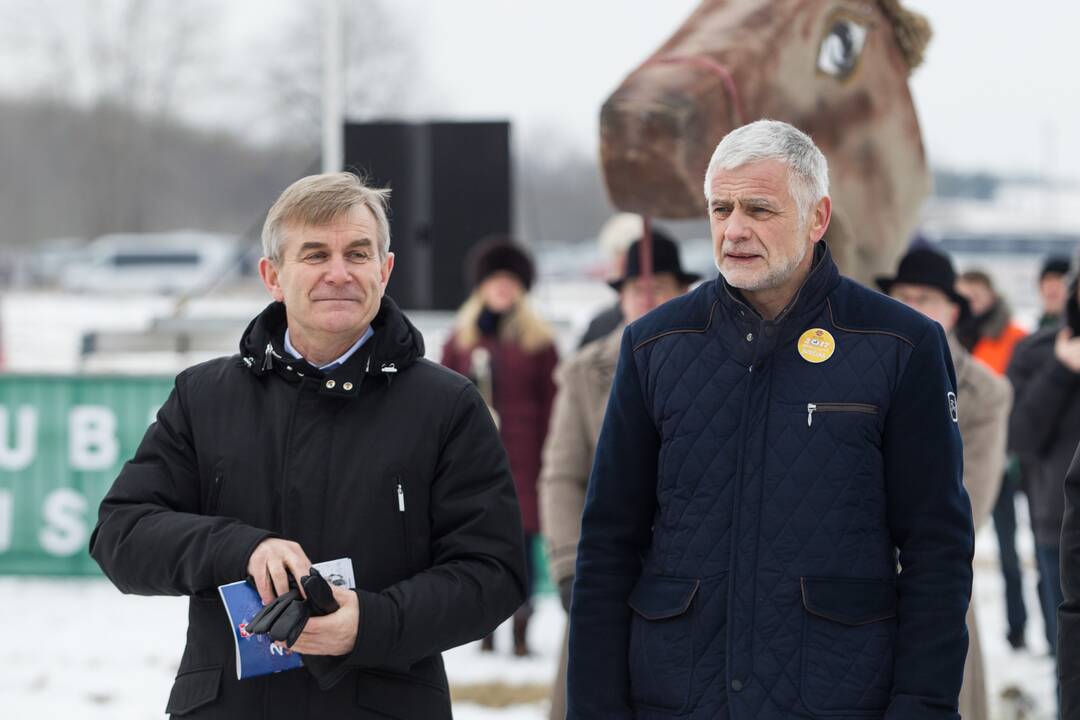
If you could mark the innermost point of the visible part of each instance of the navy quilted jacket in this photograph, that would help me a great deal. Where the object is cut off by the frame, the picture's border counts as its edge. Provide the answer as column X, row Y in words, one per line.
column 766, row 537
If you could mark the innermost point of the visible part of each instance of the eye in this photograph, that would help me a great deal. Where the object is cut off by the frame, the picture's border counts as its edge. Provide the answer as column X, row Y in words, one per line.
column 841, row 48
column 315, row 257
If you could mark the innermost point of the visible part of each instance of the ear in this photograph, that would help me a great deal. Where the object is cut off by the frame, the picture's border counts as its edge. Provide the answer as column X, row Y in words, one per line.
column 269, row 274
column 387, row 268
column 819, row 221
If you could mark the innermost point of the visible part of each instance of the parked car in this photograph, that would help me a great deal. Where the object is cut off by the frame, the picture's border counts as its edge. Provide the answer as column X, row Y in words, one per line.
column 168, row 263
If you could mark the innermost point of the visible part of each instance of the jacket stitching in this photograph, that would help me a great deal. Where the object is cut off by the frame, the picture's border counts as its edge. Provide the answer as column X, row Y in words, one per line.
column 712, row 311
column 838, row 326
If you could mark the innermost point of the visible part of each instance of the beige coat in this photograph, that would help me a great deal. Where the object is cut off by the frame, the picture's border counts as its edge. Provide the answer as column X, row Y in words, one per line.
column 984, row 400
column 584, row 383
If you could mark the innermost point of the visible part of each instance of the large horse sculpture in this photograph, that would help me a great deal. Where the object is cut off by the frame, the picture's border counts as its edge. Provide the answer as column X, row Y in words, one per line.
column 837, row 69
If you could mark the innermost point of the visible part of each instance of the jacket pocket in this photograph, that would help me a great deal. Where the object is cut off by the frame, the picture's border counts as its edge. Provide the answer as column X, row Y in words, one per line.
column 395, row 695
column 194, row 689
column 834, row 407
column 849, row 636
column 662, row 641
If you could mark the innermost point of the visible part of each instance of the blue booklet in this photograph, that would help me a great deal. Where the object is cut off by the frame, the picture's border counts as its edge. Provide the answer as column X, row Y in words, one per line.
column 257, row 654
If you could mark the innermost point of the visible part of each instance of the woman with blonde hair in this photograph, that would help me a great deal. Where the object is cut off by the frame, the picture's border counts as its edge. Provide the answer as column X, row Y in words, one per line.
column 501, row 342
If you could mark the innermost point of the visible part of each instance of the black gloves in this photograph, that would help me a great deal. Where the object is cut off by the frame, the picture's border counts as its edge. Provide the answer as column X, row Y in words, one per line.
column 285, row 616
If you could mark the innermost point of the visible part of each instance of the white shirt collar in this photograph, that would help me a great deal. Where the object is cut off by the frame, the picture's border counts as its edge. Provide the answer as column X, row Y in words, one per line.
column 334, row 364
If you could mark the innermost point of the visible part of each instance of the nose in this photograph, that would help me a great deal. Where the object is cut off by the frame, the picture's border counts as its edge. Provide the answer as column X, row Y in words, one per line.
column 337, row 271
column 736, row 229
column 658, row 130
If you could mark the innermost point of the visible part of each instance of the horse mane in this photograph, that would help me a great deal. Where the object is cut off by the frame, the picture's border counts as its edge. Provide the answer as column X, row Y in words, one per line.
column 912, row 31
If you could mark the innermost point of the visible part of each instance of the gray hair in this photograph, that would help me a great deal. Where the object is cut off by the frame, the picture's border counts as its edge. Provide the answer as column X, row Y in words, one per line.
column 321, row 199
column 808, row 175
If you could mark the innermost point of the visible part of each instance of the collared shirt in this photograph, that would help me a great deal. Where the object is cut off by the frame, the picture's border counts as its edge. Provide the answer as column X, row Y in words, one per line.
column 331, row 366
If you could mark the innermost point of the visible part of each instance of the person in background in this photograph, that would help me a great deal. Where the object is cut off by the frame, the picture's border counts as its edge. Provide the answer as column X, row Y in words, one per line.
column 926, row 282
column 1053, row 290
column 1068, row 665
column 615, row 236
column 502, row 344
column 584, row 383
column 990, row 335
column 1044, row 430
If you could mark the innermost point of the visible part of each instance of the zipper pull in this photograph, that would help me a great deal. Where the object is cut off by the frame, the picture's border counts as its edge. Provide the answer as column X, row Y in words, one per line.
column 400, row 498
column 810, row 408
column 268, row 357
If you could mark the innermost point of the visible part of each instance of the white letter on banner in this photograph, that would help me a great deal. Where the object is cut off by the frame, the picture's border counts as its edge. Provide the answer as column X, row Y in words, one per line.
column 7, row 511
column 22, row 452
column 92, row 443
column 65, row 527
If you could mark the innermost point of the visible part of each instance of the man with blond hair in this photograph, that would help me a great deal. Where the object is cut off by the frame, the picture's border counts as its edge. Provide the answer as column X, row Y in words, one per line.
column 328, row 436
column 775, row 525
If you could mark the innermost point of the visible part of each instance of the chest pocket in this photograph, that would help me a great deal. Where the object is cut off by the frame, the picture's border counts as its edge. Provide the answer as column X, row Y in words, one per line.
column 845, row 423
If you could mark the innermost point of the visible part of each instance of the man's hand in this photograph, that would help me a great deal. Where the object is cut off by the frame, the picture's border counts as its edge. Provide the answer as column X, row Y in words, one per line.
column 271, row 564
column 333, row 634
column 1067, row 350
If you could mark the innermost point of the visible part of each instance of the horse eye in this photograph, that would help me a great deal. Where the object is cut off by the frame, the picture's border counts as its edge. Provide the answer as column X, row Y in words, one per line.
column 841, row 48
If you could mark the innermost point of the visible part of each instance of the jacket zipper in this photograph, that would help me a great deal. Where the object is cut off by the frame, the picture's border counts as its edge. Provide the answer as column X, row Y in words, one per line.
column 812, row 408
column 400, row 488
column 215, row 495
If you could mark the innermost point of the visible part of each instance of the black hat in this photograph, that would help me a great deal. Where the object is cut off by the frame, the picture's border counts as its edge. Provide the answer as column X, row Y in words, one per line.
column 665, row 259
column 1054, row 265
column 497, row 253
column 923, row 266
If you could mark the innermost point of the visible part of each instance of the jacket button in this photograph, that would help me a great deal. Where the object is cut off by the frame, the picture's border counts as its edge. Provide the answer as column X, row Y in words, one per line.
column 769, row 331
column 736, row 684
column 330, row 384
column 347, row 386
column 749, row 337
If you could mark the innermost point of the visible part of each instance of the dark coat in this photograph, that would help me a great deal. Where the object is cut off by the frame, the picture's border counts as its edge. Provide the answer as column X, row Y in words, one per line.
column 1068, row 663
column 524, row 386
column 1044, row 428
column 739, row 555
column 252, row 446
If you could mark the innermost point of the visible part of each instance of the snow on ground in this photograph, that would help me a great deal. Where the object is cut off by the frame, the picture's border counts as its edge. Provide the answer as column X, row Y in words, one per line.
column 80, row 649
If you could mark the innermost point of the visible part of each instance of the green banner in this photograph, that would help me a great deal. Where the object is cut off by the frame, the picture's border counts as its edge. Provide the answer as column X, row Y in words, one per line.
column 62, row 443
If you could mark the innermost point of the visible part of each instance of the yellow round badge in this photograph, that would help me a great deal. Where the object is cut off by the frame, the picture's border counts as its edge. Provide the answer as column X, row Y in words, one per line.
column 816, row 345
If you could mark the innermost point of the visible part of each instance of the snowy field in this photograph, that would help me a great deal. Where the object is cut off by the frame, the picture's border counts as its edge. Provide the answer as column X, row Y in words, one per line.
column 80, row 649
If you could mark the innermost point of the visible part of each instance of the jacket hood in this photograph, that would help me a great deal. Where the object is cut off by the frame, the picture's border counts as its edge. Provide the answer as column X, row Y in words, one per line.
column 396, row 344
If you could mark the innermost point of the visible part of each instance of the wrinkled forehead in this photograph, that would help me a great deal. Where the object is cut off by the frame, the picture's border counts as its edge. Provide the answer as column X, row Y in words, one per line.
column 760, row 178
column 354, row 224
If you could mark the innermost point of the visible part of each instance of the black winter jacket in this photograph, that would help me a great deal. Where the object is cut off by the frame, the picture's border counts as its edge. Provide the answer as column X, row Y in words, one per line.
column 255, row 446
column 1044, row 427
column 1068, row 664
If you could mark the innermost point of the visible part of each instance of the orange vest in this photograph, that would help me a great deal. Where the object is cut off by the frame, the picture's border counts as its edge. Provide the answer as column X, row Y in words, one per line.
column 997, row 351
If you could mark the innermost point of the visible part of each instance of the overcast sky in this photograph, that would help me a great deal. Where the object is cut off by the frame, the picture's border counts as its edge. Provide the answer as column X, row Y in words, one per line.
column 999, row 89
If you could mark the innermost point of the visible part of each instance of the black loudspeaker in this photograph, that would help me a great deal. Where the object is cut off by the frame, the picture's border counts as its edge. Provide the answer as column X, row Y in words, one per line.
column 450, row 186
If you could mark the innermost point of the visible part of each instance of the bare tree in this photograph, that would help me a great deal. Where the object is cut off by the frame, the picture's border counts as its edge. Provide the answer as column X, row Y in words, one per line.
column 377, row 63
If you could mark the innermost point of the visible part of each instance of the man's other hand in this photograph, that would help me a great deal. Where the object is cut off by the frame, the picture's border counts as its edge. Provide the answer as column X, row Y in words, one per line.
column 272, row 563
column 333, row 634
column 1067, row 350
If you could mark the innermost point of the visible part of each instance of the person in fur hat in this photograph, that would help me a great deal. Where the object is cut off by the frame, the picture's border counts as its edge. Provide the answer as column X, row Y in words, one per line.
column 501, row 342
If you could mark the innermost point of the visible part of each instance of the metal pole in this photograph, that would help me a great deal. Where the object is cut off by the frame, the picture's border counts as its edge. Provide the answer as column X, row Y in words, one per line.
column 333, row 99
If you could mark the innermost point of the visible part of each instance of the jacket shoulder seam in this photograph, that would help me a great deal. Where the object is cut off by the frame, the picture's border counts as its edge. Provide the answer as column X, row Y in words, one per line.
column 866, row 331
column 678, row 331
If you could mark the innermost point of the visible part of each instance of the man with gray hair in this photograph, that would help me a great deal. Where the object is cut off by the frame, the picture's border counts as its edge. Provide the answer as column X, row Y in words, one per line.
column 775, row 524
column 328, row 436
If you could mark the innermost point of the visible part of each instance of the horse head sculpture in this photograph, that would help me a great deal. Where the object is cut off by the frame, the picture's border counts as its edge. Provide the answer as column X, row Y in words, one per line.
column 836, row 69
